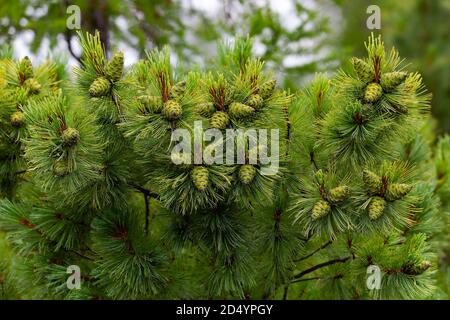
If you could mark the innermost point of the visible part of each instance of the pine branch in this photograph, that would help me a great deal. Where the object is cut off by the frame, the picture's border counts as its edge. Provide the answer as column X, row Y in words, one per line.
column 68, row 39
column 145, row 191
column 147, row 214
column 314, row 252
column 313, row 160
column 321, row 265
column 306, row 279
column 81, row 255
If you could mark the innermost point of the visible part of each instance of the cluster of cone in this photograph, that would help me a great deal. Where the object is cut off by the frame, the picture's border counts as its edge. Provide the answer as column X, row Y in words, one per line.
column 29, row 85
column 26, row 77
column 200, row 175
column 69, row 137
column 374, row 88
column 382, row 193
column 170, row 109
column 330, row 197
column 237, row 110
column 113, row 72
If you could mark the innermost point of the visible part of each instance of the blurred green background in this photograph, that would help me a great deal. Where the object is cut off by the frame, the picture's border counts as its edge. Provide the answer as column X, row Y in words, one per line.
column 296, row 37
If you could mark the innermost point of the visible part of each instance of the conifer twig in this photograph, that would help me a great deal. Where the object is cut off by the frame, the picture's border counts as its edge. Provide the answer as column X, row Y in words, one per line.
column 321, row 265
column 314, row 252
column 145, row 191
column 306, row 279
column 147, row 214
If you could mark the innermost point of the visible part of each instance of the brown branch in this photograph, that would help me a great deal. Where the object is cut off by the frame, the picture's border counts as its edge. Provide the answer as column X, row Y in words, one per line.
column 321, row 265
column 147, row 214
column 306, row 279
column 145, row 191
column 68, row 38
column 315, row 251
column 313, row 160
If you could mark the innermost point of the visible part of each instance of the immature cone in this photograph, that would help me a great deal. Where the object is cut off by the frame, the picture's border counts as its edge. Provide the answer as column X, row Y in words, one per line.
column 364, row 70
column 397, row 191
column 425, row 265
column 321, row 209
column 239, row 110
column 392, row 79
column 319, row 176
column 172, row 110
column 114, row 68
column 266, row 89
column 372, row 181
column 205, row 109
column 338, row 194
column 177, row 90
column 32, row 85
column 17, row 119
column 247, row 173
column 376, row 207
column 219, row 120
column 25, row 69
column 60, row 169
column 152, row 103
column 255, row 101
column 417, row 268
column 99, row 87
column 373, row 92
column 70, row 136
column 199, row 176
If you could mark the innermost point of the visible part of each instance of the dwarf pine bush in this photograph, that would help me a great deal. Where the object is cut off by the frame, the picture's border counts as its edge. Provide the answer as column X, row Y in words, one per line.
column 88, row 179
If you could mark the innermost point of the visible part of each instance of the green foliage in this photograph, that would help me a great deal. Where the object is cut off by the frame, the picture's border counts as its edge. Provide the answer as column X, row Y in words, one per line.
column 100, row 187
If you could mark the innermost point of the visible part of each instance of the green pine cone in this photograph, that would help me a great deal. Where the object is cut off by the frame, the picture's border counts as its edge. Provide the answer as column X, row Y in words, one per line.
column 70, row 136
column 321, row 209
column 239, row 110
column 364, row 70
column 25, row 69
column 114, row 68
column 247, row 173
column 178, row 90
column 266, row 89
column 17, row 119
column 60, row 168
column 392, row 79
column 373, row 92
column 199, row 176
column 372, row 181
column 99, row 87
column 255, row 101
column 219, row 120
column 338, row 194
column 205, row 109
column 32, row 85
column 172, row 110
column 376, row 207
column 153, row 104
column 397, row 191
